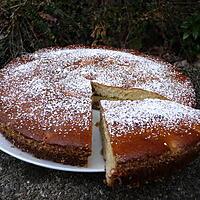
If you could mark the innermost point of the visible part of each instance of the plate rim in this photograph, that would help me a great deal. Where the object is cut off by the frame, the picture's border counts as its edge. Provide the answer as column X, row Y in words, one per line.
column 9, row 148
column 60, row 167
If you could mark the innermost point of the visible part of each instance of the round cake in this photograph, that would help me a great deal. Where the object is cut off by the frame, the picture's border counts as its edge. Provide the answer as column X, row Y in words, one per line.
column 46, row 98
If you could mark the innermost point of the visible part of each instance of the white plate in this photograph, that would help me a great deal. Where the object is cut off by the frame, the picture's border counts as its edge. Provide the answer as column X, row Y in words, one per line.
column 95, row 163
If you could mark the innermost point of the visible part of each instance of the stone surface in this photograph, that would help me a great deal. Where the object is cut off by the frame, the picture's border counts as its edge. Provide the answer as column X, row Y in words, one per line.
column 19, row 180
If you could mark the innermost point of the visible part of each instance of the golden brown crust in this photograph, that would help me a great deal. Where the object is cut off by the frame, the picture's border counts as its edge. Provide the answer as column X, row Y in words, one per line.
column 138, row 172
column 148, row 162
column 70, row 154
column 133, row 145
column 68, row 140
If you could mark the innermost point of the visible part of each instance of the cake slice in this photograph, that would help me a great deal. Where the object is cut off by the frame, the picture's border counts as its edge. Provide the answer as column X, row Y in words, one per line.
column 146, row 139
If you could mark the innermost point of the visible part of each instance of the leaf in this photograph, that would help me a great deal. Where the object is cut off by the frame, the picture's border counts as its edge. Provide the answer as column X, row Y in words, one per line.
column 186, row 35
column 195, row 33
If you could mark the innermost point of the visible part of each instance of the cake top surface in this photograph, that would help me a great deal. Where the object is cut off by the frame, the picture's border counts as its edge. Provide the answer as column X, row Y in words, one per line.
column 51, row 88
column 74, row 69
column 150, row 129
column 37, row 100
column 135, row 117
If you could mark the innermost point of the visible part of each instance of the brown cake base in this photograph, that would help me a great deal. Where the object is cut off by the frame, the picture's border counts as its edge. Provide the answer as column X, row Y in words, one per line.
column 137, row 172
column 71, row 155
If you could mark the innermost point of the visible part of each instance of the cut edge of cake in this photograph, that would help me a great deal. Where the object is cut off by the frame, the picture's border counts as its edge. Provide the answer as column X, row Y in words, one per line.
column 109, row 158
column 136, row 172
column 104, row 92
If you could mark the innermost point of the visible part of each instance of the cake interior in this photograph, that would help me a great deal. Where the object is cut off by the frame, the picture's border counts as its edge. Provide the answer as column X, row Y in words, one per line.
column 107, row 150
column 103, row 92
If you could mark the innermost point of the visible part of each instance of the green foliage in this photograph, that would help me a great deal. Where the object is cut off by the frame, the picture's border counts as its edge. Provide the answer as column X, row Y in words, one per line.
column 191, row 34
column 27, row 25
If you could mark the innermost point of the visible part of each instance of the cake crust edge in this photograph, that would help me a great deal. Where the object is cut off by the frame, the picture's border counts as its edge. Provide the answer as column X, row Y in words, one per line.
column 70, row 155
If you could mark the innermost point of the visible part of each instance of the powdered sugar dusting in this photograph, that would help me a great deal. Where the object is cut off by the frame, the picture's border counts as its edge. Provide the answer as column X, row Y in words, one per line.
column 53, row 86
column 75, row 68
column 115, row 68
column 36, row 93
column 46, row 107
column 125, row 116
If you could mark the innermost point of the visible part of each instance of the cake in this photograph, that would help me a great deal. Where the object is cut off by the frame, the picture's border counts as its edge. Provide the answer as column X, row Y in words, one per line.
column 46, row 97
column 146, row 139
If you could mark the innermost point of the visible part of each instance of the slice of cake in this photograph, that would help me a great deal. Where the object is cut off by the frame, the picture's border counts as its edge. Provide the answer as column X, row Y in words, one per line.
column 147, row 139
